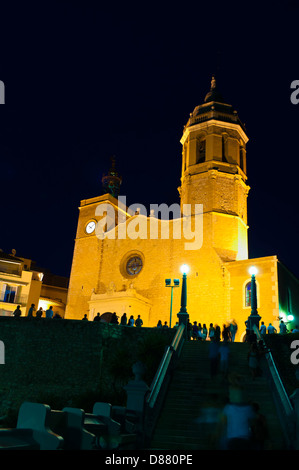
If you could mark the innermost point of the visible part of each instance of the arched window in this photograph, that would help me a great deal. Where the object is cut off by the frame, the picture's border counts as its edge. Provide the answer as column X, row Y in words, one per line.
column 248, row 294
column 201, row 151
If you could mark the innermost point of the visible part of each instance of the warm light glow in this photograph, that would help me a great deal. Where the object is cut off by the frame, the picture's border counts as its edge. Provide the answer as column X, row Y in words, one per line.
column 290, row 317
column 185, row 269
column 253, row 271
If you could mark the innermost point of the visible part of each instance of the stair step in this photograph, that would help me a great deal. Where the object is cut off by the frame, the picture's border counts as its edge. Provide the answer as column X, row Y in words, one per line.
column 189, row 389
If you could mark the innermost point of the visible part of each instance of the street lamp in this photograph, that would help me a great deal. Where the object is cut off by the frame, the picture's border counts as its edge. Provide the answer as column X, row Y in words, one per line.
column 254, row 317
column 176, row 283
column 183, row 315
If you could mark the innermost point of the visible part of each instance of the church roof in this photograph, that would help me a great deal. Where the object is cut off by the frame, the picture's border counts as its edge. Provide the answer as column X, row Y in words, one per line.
column 214, row 107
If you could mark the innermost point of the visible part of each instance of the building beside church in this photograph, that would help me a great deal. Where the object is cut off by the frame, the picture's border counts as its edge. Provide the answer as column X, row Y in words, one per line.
column 23, row 283
column 122, row 256
column 19, row 284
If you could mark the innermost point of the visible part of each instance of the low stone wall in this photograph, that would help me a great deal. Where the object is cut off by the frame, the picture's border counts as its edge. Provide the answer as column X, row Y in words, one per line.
column 67, row 358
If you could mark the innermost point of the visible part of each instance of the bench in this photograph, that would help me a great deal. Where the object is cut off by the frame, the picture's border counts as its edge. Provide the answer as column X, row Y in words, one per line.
column 32, row 430
column 118, row 433
column 69, row 423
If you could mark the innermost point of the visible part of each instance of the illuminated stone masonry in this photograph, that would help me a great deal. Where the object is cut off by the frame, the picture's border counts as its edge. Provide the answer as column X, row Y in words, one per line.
column 117, row 273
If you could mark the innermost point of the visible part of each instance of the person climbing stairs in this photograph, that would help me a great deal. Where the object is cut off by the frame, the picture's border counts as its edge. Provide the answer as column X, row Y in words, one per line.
column 194, row 401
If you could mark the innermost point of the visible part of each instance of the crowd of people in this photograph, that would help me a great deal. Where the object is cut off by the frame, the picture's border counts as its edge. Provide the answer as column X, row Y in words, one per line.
column 32, row 312
column 196, row 331
column 113, row 318
column 270, row 329
column 199, row 332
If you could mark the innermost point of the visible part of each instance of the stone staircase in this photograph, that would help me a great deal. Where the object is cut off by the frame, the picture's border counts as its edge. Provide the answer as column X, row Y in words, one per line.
column 192, row 390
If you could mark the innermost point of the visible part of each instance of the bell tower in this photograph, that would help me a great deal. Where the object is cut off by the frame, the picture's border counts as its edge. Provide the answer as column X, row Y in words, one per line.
column 214, row 174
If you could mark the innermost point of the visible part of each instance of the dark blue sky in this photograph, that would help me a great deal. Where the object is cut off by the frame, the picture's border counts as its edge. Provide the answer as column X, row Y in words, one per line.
column 84, row 81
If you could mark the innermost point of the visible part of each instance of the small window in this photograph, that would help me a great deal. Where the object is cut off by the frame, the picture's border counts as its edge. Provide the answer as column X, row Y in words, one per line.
column 8, row 293
column 248, row 294
column 134, row 265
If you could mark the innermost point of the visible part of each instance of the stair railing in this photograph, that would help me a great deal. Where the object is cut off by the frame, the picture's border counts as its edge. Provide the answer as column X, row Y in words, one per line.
column 159, row 385
column 284, row 405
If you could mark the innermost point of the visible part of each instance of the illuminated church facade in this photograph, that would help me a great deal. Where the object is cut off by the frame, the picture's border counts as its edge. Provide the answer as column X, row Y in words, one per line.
column 120, row 262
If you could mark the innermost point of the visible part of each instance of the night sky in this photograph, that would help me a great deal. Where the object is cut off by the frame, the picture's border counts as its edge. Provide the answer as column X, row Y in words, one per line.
column 85, row 81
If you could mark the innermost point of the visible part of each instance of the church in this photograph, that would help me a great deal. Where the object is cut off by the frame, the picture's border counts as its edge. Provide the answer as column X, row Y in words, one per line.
column 126, row 261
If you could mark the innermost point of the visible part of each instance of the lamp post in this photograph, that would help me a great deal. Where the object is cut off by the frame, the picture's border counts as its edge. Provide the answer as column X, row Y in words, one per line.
column 254, row 317
column 183, row 315
column 176, row 283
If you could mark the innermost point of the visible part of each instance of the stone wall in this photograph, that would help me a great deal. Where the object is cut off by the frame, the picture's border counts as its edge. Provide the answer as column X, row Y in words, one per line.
column 63, row 360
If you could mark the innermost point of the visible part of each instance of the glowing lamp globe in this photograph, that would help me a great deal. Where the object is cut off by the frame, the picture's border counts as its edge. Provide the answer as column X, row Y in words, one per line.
column 185, row 269
column 290, row 317
column 253, row 271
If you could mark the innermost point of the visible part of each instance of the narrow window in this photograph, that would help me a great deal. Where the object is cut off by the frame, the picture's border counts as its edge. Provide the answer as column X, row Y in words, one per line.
column 201, row 151
column 224, row 159
column 242, row 158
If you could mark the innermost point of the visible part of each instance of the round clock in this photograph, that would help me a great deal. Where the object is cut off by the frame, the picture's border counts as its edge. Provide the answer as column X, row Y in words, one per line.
column 90, row 226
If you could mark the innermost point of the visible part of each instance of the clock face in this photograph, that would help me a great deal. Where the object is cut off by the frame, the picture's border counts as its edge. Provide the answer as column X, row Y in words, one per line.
column 90, row 226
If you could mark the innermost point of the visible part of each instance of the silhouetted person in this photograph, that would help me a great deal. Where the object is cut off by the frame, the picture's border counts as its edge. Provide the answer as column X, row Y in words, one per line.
column 237, row 419
column 211, row 331
column 85, row 317
column 217, row 334
column 282, row 328
column 226, row 335
column 233, row 330
column 159, row 324
column 271, row 330
column 39, row 312
column 31, row 310
column 114, row 318
column 17, row 312
column 97, row 317
column 263, row 329
column 49, row 312
column 123, row 320
column 165, row 325
column 138, row 321
column 131, row 321
column 195, row 331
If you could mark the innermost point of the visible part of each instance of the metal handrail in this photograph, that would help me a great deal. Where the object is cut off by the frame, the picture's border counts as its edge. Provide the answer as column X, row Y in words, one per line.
column 164, row 366
column 280, row 389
